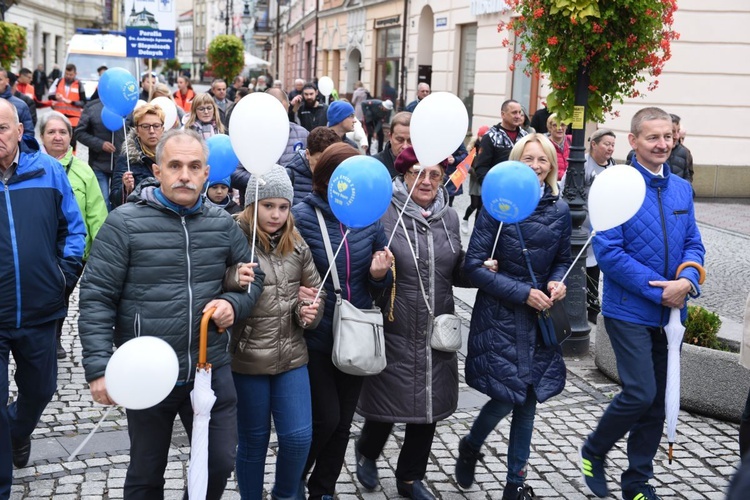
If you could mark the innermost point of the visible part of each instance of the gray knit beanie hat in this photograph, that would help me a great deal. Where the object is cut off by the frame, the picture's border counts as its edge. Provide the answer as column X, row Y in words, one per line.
column 274, row 184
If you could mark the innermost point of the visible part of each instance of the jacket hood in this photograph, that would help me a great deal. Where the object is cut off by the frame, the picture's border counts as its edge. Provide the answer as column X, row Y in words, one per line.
column 299, row 164
column 132, row 147
column 6, row 94
column 317, row 201
column 144, row 191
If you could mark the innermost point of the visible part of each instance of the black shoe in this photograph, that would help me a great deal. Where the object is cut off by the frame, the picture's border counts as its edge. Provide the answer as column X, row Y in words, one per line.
column 466, row 463
column 367, row 471
column 513, row 491
column 61, row 354
column 21, row 451
column 592, row 315
column 415, row 490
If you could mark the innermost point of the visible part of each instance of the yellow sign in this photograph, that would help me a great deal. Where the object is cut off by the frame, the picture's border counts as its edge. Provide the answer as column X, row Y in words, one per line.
column 578, row 114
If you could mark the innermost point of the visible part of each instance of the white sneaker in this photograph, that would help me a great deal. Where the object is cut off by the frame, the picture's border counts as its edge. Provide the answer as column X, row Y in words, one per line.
column 465, row 226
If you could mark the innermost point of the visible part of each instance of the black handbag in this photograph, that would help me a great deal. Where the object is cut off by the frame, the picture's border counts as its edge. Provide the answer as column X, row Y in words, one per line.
column 554, row 324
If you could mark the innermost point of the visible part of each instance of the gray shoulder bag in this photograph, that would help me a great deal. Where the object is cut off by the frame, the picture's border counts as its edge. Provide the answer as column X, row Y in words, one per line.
column 358, row 339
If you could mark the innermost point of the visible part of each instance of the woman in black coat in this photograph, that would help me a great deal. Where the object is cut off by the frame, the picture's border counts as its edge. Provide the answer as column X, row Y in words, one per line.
column 505, row 359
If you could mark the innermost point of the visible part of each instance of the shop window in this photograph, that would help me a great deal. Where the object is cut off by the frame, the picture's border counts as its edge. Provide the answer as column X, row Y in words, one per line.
column 387, row 69
column 467, row 67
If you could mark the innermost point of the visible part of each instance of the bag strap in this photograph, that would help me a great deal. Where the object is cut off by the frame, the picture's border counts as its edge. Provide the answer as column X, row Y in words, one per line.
column 416, row 265
column 329, row 251
column 525, row 253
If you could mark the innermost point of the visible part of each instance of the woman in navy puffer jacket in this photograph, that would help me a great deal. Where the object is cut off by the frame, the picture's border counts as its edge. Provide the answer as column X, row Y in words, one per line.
column 505, row 360
column 364, row 270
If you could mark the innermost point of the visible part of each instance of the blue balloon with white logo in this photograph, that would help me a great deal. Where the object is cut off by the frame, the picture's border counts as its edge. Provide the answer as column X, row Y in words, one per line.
column 510, row 191
column 118, row 91
column 359, row 191
column 221, row 157
column 111, row 120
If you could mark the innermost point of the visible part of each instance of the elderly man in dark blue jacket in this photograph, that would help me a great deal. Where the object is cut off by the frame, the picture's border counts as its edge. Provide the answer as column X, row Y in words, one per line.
column 640, row 260
column 42, row 238
column 156, row 266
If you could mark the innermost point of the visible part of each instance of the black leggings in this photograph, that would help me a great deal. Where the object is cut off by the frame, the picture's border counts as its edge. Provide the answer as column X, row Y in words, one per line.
column 476, row 204
column 745, row 429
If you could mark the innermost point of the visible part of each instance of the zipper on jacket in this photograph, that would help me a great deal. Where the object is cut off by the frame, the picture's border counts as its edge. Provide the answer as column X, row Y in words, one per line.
column 16, row 264
column 190, row 299
column 666, row 241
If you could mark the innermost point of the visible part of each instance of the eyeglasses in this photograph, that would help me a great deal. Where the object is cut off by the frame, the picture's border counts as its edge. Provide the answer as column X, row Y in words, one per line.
column 205, row 109
column 148, row 126
column 433, row 176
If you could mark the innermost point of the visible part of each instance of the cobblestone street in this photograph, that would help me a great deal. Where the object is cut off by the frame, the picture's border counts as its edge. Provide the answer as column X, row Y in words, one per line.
column 706, row 452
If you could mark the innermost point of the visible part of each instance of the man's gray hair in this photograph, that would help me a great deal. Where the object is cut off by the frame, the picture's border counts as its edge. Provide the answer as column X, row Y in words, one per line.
column 54, row 115
column 647, row 115
column 182, row 134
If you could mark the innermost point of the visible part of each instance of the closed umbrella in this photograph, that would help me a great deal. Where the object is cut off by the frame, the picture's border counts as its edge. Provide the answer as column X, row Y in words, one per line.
column 675, row 332
column 203, row 399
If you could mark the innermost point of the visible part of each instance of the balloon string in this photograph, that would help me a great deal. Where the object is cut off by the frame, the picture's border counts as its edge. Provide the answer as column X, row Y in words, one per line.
column 112, row 155
column 330, row 266
column 497, row 238
column 124, row 131
column 576, row 259
column 403, row 209
column 91, row 434
column 255, row 226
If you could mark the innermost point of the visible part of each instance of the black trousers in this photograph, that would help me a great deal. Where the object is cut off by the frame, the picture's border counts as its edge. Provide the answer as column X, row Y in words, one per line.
column 745, row 429
column 334, row 400
column 415, row 452
column 150, row 434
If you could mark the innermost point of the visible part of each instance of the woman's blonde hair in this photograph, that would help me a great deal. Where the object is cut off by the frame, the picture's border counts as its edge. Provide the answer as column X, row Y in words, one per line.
column 289, row 235
column 549, row 150
column 204, row 99
column 147, row 109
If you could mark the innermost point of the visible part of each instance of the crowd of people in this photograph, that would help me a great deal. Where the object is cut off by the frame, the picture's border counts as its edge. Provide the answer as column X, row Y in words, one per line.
column 162, row 245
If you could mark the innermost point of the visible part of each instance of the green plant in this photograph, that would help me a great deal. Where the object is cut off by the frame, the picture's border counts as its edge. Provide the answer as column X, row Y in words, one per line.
column 172, row 65
column 617, row 43
column 226, row 56
column 702, row 327
column 12, row 43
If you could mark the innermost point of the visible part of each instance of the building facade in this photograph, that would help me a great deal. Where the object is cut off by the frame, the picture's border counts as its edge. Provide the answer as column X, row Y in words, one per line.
column 50, row 24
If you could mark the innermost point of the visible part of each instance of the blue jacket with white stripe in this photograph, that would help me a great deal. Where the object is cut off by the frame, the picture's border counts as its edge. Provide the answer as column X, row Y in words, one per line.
column 42, row 238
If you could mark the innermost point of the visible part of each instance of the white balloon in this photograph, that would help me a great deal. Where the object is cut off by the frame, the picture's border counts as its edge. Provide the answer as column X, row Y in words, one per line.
column 170, row 110
column 438, row 127
column 141, row 373
column 140, row 103
column 615, row 196
column 259, row 131
column 325, row 85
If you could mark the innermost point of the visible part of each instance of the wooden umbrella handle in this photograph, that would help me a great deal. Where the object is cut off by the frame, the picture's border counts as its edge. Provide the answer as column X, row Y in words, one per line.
column 203, row 340
column 701, row 271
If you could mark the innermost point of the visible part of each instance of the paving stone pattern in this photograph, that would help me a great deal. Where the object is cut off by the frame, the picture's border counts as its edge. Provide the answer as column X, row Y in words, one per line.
column 705, row 455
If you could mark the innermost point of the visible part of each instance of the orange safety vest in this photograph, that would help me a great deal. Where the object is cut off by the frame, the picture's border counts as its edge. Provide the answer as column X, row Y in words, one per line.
column 186, row 101
column 70, row 110
column 27, row 89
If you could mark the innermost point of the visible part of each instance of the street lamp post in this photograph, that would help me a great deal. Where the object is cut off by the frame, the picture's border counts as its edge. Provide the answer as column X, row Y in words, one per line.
column 228, row 14
column 575, row 194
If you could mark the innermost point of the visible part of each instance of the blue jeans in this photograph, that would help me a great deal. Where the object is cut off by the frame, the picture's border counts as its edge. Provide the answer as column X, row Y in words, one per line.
column 103, row 179
column 286, row 396
column 521, row 428
column 34, row 350
column 641, row 354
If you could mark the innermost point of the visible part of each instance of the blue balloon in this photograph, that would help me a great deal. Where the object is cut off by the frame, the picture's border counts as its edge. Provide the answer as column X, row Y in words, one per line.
column 221, row 157
column 359, row 191
column 118, row 91
column 510, row 191
column 111, row 120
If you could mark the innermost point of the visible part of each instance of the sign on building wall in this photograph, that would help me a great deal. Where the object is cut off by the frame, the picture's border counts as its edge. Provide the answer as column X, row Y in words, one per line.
column 482, row 7
column 150, row 28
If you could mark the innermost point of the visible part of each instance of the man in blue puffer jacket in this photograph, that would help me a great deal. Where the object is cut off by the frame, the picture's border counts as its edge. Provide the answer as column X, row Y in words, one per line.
column 42, row 238
column 639, row 260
